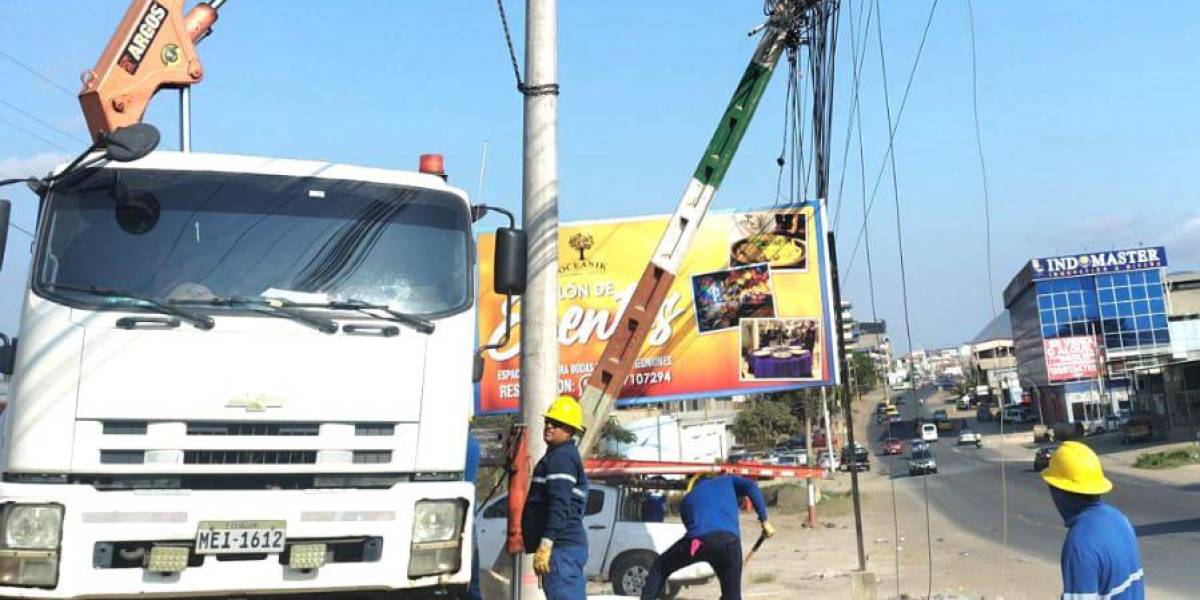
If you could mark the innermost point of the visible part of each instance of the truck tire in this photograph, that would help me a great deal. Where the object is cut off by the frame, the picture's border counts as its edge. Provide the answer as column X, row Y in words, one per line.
column 629, row 572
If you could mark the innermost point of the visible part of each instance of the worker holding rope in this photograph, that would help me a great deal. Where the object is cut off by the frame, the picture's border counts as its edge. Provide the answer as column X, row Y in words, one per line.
column 710, row 513
column 1100, row 553
column 552, row 521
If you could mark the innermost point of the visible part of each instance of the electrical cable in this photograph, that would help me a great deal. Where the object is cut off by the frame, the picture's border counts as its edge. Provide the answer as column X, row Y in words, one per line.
column 892, row 130
column 34, row 135
column 987, row 220
column 903, row 271
column 856, row 115
column 854, row 103
column 36, row 73
column 34, row 118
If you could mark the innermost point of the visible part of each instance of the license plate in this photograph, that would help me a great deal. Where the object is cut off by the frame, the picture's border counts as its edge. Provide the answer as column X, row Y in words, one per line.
column 240, row 537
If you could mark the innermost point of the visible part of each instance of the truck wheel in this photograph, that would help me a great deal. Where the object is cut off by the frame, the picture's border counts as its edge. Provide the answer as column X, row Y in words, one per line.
column 629, row 573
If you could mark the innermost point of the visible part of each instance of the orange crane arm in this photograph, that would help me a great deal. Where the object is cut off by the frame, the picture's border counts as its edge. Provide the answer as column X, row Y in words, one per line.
column 154, row 47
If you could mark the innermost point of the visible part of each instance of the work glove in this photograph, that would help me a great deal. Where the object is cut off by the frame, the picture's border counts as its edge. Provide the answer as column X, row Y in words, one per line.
column 541, row 558
column 768, row 530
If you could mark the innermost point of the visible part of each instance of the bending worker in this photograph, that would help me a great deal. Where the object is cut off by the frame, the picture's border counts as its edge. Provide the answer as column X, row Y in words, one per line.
column 710, row 513
column 553, row 518
column 1100, row 554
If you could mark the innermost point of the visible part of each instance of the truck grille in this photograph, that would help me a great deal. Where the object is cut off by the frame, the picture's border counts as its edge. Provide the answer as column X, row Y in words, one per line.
column 249, row 457
column 255, row 429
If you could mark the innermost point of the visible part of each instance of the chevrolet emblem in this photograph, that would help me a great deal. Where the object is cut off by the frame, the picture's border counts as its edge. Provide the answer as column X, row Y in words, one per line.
column 254, row 402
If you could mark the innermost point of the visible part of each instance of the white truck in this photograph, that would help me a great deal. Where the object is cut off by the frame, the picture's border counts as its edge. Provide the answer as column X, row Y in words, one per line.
column 241, row 375
column 621, row 545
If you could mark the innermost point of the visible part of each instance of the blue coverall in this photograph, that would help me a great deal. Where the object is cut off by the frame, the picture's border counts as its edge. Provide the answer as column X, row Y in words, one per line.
column 554, row 511
column 1100, row 559
column 710, row 513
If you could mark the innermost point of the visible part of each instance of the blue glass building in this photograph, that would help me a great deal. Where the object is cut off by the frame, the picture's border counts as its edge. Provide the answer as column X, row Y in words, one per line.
column 1117, row 298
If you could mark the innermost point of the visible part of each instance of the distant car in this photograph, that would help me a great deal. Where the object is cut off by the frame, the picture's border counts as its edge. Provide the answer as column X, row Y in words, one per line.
column 895, row 420
column 917, row 444
column 929, row 432
column 825, row 461
column 922, row 462
column 898, row 400
column 1018, row 414
column 983, row 414
column 969, row 437
column 940, row 415
column 1139, row 428
column 893, row 446
column 858, row 459
column 963, row 403
column 792, row 459
column 1041, row 458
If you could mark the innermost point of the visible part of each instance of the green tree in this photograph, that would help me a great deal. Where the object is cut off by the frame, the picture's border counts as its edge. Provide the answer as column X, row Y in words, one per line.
column 866, row 374
column 765, row 422
column 616, row 434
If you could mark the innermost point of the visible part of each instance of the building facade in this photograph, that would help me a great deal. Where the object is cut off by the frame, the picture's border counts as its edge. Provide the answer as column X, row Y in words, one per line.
column 1085, row 326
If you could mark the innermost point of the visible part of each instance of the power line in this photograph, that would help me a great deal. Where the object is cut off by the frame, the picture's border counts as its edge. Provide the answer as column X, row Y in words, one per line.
column 36, row 73
column 892, row 129
column 35, row 118
column 34, row 135
column 987, row 225
column 900, row 247
column 21, row 229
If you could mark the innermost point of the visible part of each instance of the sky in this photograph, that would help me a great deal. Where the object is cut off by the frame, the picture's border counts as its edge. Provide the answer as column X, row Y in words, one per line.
column 1086, row 116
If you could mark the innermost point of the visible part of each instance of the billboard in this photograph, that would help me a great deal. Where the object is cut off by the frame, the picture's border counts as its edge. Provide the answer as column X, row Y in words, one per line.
column 749, row 310
column 1090, row 263
column 1069, row 358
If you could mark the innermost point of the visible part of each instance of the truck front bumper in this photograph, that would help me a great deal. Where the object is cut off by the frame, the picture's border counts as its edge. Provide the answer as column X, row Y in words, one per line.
column 370, row 529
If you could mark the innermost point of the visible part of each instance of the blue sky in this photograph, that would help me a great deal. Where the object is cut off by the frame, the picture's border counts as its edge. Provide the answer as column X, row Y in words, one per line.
column 1086, row 109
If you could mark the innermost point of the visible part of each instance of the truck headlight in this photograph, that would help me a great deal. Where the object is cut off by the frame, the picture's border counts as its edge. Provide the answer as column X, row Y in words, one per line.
column 437, row 537
column 437, row 521
column 29, row 553
column 33, row 526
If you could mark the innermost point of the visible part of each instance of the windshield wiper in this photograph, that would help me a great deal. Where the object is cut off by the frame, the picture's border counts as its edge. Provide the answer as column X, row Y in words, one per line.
column 420, row 324
column 273, row 306
column 204, row 322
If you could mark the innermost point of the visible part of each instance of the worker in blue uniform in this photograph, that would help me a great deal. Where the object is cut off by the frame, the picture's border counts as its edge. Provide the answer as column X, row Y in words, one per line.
column 471, row 473
column 552, row 522
column 1100, row 557
column 710, row 513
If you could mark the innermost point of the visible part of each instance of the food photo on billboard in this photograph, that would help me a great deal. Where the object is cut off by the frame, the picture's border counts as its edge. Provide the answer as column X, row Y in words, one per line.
column 722, row 298
column 779, row 349
column 776, row 237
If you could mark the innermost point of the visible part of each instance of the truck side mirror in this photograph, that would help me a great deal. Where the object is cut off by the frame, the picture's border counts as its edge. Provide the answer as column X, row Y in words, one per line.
column 510, row 261
column 5, row 209
column 8, row 354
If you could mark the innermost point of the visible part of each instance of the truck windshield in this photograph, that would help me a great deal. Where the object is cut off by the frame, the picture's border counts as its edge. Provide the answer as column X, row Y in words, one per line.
column 178, row 236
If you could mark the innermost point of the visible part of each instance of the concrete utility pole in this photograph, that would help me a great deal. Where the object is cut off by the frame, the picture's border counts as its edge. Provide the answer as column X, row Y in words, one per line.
column 539, row 304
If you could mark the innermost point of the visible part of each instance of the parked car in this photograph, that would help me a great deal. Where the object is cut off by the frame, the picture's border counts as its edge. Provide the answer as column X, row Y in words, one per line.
column 792, row 459
column 1019, row 414
column 940, row 415
column 1041, row 458
column 893, row 446
column 929, row 432
column 621, row 546
column 963, row 403
column 1138, row 428
column 825, row 461
column 967, row 436
column 858, row 459
column 922, row 462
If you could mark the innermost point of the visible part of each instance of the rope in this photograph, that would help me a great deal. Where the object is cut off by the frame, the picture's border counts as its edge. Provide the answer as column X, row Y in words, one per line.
column 545, row 89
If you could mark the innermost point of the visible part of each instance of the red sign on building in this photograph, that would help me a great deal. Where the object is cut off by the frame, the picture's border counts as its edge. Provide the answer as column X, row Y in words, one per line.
column 1071, row 358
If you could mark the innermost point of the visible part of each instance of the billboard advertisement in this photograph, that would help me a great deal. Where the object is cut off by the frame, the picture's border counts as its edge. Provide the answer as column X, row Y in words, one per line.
column 749, row 310
column 1069, row 358
column 1090, row 263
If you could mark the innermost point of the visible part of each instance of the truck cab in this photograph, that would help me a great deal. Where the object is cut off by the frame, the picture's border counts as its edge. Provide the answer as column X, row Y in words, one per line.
column 622, row 545
column 227, row 375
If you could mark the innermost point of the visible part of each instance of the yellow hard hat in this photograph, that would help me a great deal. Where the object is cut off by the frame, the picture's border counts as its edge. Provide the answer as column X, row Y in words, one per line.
column 566, row 410
column 1075, row 468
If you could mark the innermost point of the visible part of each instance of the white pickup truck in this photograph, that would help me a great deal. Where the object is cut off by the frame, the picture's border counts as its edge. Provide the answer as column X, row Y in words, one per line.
column 621, row 546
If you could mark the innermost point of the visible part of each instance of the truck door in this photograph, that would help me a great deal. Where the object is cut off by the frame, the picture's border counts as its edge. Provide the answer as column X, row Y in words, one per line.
column 599, row 520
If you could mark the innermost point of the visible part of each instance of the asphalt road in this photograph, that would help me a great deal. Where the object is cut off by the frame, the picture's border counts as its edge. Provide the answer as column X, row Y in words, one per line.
column 967, row 491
